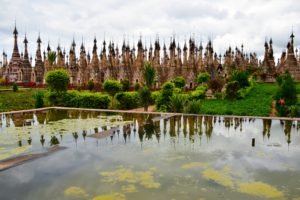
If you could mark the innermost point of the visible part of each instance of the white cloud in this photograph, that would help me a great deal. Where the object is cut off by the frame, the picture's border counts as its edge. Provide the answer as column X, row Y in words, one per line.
column 227, row 22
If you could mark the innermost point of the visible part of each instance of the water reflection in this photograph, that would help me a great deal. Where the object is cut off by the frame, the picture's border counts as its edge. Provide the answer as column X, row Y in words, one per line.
column 145, row 127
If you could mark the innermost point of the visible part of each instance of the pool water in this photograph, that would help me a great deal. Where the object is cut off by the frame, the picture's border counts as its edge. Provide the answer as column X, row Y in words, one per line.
column 149, row 157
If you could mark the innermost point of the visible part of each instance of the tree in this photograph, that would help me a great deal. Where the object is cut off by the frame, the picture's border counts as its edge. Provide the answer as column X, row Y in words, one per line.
column 149, row 74
column 58, row 80
column 51, row 57
column 125, row 84
column 179, row 82
column 216, row 84
column 145, row 96
column 241, row 77
column 203, row 78
column 112, row 87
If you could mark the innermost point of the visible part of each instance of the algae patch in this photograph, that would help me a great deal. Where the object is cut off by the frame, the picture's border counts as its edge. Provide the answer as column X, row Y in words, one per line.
column 76, row 192
column 218, row 177
column 129, row 188
column 259, row 189
column 123, row 175
column 113, row 196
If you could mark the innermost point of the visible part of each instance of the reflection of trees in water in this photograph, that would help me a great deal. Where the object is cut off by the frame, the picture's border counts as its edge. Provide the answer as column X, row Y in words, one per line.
column 267, row 123
column 287, row 130
column 208, row 126
column 54, row 141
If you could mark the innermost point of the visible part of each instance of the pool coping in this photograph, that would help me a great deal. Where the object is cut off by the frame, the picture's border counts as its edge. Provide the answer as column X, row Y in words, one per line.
column 143, row 112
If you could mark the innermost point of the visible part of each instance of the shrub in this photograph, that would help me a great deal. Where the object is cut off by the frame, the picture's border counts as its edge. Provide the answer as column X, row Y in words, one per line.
column 179, row 82
column 125, row 84
column 167, row 89
column 58, row 80
column 219, row 95
column 145, row 97
column 198, row 94
column 177, row 103
column 39, row 99
column 91, row 85
column 232, row 89
column 80, row 99
column 241, row 77
column 216, row 84
column 243, row 92
column 78, row 88
column 112, row 87
column 203, row 78
column 193, row 107
column 15, row 87
column 137, row 86
column 128, row 100
column 286, row 96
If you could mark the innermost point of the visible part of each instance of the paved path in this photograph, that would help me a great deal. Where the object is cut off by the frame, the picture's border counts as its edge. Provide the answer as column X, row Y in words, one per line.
column 273, row 112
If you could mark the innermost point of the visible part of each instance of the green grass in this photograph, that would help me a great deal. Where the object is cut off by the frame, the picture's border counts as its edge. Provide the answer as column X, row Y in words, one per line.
column 257, row 103
column 23, row 99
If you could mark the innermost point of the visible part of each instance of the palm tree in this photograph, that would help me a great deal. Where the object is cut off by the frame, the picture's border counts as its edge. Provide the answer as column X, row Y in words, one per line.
column 51, row 57
column 149, row 74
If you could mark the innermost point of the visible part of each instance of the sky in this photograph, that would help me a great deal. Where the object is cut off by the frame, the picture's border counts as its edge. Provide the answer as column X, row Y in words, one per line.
column 225, row 22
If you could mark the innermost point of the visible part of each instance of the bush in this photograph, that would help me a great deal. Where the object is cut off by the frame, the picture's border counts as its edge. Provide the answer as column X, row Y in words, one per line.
column 137, row 86
column 91, row 85
column 15, row 87
column 219, row 95
column 198, row 94
column 203, row 78
column 167, row 90
column 112, row 87
column 128, row 100
column 179, row 82
column 80, row 99
column 194, row 107
column 232, row 89
column 216, row 84
column 286, row 96
column 145, row 97
column 243, row 92
column 39, row 99
column 177, row 103
column 58, row 80
column 241, row 77
column 125, row 84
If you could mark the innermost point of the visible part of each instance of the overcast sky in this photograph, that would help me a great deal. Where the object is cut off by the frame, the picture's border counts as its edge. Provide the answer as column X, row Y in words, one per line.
column 226, row 22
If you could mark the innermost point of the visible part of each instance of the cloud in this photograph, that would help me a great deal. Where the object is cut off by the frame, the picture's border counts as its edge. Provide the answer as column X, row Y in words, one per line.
column 226, row 22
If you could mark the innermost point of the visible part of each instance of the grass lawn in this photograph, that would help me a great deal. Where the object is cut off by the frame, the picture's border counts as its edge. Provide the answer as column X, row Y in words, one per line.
column 257, row 103
column 23, row 99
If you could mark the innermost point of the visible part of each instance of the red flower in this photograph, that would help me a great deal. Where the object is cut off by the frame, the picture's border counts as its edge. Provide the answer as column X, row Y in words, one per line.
column 281, row 101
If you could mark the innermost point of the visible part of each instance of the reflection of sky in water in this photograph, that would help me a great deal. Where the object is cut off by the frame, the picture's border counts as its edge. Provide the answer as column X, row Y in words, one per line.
column 175, row 142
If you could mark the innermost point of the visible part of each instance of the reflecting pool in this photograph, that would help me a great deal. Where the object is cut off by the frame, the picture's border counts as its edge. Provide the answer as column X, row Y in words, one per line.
column 140, row 156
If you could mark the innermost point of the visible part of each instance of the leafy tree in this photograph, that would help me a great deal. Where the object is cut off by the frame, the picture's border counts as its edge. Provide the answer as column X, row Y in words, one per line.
column 51, row 57
column 112, row 87
column 125, row 84
column 203, row 77
column 145, row 97
column 179, row 82
column 163, row 101
column 15, row 87
column 149, row 74
column 58, row 80
column 193, row 107
column 91, row 85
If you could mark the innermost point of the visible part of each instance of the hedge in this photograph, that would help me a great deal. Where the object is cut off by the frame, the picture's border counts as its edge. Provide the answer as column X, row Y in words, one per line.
column 128, row 100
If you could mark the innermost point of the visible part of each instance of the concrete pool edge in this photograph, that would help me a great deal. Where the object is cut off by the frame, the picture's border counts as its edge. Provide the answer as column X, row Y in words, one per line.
column 139, row 112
